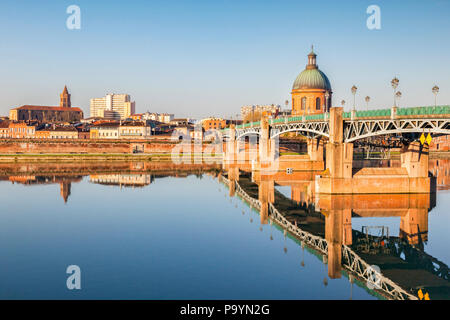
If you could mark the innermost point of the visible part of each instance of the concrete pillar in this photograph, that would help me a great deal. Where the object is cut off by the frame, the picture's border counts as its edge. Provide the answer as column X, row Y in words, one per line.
column 336, row 125
column 339, row 157
column 315, row 149
column 414, row 158
column 230, row 150
column 264, row 141
column 339, row 160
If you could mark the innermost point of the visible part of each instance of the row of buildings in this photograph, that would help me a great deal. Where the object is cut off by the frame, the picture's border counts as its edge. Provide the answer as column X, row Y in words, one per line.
column 96, row 130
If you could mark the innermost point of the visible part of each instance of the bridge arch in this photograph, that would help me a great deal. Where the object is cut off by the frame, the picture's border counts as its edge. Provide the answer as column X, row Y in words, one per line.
column 247, row 133
column 302, row 131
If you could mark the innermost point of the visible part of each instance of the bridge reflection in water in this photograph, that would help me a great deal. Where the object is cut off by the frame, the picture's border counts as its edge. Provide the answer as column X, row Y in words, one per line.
column 392, row 266
column 321, row 223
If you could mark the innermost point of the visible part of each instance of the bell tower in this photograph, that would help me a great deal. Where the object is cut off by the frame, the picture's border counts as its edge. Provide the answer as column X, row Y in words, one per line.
column 65, row 98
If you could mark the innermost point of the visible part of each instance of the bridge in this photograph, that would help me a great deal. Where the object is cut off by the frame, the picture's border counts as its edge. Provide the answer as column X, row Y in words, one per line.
column 358, row 124
column 340, row 252
column 330, row 138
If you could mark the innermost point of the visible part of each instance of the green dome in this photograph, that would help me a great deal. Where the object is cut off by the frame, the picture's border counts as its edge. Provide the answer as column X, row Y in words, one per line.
column 312, row 79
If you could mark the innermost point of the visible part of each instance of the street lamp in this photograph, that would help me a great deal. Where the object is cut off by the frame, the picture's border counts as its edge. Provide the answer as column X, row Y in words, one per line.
column 327, row 96
column 253, row 111
column 343, row 103
column 354, row 89
column 394, row 84
column 398, row 95
column 435, row 91
column 367, row 102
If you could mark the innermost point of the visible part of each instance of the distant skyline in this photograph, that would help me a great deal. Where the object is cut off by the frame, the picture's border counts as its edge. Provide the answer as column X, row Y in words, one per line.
column 209, row 58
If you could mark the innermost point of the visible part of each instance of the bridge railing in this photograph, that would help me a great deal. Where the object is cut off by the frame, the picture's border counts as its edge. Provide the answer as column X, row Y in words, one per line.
column 385, row 113
column 414, row 111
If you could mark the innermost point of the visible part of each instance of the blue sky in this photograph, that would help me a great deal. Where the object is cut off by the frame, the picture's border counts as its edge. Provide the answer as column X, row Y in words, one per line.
column 203, row 58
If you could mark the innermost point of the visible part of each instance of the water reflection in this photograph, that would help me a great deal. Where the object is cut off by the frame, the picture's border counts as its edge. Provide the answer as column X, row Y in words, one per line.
column 321, row 224
column 324, row 222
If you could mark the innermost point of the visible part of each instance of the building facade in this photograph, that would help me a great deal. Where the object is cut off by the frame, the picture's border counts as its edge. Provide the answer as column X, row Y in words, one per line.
column 311, row 92
column 63, row 133
column 113, row 106
column 247, row 111
column 63, row 113
column 105, row 131
column 134, row 130
column 21, row 130
column 213, row 123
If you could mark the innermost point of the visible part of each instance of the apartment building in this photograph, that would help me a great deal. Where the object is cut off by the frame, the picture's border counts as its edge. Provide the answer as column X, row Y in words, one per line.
column 113, row 107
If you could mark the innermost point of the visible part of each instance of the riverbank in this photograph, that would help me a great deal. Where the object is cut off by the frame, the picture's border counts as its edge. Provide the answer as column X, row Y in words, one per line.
column 95, row 157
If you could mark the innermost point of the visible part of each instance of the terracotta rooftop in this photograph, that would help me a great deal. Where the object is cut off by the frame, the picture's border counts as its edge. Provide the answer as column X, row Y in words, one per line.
column 49, row 108
column 63, row 129
column 132, row 124
column 106, row 125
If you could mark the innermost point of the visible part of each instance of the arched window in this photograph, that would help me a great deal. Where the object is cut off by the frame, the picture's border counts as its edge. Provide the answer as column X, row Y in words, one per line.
column 303, row 103
column 317, row 103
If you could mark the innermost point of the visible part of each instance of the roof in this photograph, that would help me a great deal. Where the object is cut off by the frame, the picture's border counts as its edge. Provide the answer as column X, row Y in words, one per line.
column 49, row 108
column 4, row 124
column 132, row 124
column 312, row 79
column 63, row 129
column 106, row 125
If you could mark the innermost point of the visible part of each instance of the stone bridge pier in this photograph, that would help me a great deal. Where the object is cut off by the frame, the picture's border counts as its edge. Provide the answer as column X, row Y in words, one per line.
column 339, row 177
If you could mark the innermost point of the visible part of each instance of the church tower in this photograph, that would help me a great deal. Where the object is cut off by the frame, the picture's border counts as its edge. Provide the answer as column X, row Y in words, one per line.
column 65, row 98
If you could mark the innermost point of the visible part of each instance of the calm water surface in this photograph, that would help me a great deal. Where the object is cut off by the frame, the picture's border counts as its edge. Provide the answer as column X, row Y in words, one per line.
column 170, row 238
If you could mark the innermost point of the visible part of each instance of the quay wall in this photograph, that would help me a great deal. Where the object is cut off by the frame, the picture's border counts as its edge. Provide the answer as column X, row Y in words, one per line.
column 12, row 146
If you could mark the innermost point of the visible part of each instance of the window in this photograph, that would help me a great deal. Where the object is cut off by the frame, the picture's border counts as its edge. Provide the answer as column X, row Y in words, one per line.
column 303, row 103
column 317, row 103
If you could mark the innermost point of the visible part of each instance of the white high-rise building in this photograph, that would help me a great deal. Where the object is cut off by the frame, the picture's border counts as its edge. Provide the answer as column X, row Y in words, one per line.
column 113, row 106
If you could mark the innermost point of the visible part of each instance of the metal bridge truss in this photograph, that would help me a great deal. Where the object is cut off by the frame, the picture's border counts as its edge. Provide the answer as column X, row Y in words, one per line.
column 310, row 129
column 350, row 260
column 354, row 129
column 360, row 129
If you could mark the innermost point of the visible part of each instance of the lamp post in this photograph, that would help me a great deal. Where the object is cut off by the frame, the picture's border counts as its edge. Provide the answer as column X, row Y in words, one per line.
column 435, row 91
column 398, row 95
column 394, row 84
column 354, row 89
column 367, row 102
column 253, row 111
column 327, row 96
